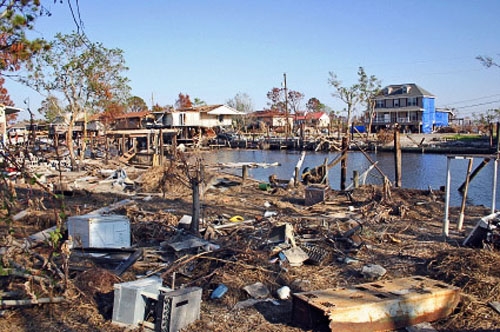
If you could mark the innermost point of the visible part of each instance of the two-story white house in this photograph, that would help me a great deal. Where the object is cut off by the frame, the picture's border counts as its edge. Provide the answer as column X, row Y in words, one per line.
column 209, row 116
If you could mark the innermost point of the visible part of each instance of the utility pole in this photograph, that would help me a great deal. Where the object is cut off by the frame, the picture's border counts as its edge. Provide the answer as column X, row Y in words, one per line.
column 286, row 106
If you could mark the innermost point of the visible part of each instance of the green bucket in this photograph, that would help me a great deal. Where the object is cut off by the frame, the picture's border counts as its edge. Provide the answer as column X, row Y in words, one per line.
column 264, row 186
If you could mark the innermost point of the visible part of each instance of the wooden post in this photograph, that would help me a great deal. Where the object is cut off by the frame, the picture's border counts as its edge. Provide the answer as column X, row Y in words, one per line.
column 244, row 172
column 498, row 137
column 123, row 145
column 490, row 129
column 464, row 197
column 162, row 147
column 475, row 172
column 343, row 164
column 397, row 158
column 355, row 179
column 495, row 178
column 446, row 221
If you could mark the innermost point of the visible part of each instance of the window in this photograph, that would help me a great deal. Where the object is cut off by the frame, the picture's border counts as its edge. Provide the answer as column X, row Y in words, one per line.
column 412, row 101
column 396, row 102
column 380, row 104
column 182, row 119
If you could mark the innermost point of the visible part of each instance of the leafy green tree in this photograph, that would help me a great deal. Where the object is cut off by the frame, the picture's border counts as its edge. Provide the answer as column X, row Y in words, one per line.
column 51, row 109
column 87, row 75
column 199, row 102
column 136, row 104
column 314, row 105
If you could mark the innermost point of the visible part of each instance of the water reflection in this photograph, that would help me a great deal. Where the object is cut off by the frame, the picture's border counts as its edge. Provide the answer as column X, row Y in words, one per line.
column 419, row 171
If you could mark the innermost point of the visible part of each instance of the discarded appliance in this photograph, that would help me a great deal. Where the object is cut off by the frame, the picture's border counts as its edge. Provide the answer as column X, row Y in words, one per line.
column 282, row 234
column 485, row 231
column 177, row 309
column 377, row 306
column 174, row 310
column 99, row 231
column 129, row 306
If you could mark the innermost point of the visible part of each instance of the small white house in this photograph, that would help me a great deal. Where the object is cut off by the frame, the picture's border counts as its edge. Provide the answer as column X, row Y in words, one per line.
column 4, row 110
column 201, row 116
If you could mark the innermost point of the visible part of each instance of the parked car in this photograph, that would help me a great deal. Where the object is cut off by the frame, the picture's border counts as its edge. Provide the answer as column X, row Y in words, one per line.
column 226, row 136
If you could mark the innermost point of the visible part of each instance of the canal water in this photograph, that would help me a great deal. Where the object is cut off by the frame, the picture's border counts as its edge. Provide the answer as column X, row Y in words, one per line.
column 419, row 170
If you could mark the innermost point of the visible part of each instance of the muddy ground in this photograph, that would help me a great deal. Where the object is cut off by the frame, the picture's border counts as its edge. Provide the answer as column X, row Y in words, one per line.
column 399, row 229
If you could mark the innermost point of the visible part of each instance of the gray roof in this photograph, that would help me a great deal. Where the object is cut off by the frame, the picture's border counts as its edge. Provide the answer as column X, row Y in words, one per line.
column 404, row 90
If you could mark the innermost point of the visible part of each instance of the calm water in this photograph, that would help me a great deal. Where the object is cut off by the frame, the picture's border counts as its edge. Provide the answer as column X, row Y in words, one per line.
column 419, row 171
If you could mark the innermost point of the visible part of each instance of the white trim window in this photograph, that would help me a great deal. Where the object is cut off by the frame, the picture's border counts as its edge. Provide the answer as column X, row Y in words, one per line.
column 412, row 101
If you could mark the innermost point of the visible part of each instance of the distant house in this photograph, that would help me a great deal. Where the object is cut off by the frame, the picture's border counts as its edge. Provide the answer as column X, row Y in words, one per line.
column 4, row 111
column 316, row 120
column 410, row 107
column 207, row 116
column 273, row 119
column 133, row 120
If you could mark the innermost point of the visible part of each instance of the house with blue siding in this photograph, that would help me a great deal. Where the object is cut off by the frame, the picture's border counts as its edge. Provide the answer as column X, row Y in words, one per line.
column 409, row 107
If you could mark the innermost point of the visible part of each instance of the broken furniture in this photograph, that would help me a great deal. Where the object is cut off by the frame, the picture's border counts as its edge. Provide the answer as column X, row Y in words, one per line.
column 173, row 310
column 377, row 306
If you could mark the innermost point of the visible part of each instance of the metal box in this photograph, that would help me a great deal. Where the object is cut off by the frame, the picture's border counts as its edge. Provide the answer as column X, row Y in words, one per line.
column 378, row 306
column 177, row 309
column 315, row 194
column 129, row 306
column 99, row 231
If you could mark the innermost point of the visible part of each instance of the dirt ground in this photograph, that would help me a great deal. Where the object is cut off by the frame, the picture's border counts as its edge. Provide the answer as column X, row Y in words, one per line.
column 398, row 229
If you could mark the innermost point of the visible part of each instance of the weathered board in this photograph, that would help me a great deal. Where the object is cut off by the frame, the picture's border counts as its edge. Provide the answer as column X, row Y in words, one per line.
column 377, row 306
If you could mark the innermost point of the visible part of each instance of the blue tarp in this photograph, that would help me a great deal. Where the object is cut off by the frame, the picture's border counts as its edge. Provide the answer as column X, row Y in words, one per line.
column 360, row 129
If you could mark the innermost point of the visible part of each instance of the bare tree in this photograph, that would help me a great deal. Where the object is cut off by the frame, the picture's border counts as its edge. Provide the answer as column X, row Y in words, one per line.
column 351, row 96
column 370, row 88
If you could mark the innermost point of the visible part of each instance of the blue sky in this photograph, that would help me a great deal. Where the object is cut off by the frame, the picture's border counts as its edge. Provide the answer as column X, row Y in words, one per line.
column 213, row 50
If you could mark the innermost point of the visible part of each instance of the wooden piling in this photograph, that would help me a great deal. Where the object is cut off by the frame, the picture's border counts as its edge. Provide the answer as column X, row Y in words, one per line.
column 464, row 197
column 397, row 158
column 475, row 172
column 355, row 179
column 343, row 164
column 244, row 172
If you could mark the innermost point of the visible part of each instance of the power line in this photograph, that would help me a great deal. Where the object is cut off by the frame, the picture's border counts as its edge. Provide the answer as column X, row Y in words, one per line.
column 480, row 104
column 469, row 100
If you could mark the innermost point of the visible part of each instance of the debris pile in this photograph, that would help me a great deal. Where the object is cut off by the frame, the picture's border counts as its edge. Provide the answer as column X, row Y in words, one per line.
column 257, row 249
